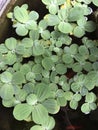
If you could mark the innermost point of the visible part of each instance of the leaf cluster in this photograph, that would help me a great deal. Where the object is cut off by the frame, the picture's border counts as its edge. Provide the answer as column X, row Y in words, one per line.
column 34, row 71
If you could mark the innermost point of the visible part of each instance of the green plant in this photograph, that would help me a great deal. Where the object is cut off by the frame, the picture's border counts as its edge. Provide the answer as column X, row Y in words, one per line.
column 34, row 71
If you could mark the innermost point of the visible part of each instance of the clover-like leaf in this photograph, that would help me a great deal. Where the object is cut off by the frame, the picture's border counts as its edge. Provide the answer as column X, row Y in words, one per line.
column 90, row 80
column 45, row 34
column 90, row 26
column 49, row 124
column 90, row 97
column 77, row 67
column 87, row 66
column 21, row 95
column 63, row 14
column 29, row 87
column 10, row 102
column 25, row 69
column 18, row 78
column 34, row 35
column 33, row 15
column 37, row 69
column 52, row 20
column 11, row 43
column 93, row 106
column 38, row 49
column 42, row 91
column 77, row 97
column 27, row 52
column 38, row 77
column 42, row 24
column 81, row 22
column 25, row 6
column 68, row 95
column 31, row 99
column 73, row 49
column 73, row 104
column 10, row 58
column 55, row 58
column 62, row 101
column 20, row 49
column 37, row 127
column 78, row 31
column 67, row 58
column 6, row 91
column 84, row 51
column 6, row 77
column 95, row 65
column 51, row 105
column 53, row 8
column 31, row 24
column 22, row 111
column 75, row 87
column 3, row 48
column 66, row 86
column 27, row 42
column 39, row 114
column 83, row 91
column 30, row 76
column 59, row 93
column 65, row 27
column 85, row 108
column 75, row 13
column 61, row 68
column 47, row 63
column 21, row 14
column 21, row 30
